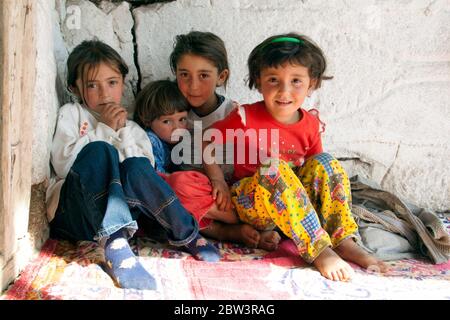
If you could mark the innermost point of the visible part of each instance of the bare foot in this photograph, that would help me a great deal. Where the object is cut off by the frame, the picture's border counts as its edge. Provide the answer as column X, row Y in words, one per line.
column 240, row 233
column 351, row 251
column 332, row 267
column 269, row 240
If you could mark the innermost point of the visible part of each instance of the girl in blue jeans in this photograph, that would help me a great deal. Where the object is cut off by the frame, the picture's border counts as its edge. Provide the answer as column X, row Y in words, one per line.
column 104, row 171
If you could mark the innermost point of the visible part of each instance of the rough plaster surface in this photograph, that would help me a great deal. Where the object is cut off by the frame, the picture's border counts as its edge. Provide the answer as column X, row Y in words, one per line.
column 44, row 111
column 387, row 109
column 45, row 102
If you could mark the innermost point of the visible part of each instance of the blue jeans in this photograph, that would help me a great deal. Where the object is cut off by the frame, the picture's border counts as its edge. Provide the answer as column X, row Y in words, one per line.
column 101, row 196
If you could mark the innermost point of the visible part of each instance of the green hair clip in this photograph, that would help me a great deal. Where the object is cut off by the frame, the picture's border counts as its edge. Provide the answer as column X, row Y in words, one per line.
column 286, row 39
column 282, row 39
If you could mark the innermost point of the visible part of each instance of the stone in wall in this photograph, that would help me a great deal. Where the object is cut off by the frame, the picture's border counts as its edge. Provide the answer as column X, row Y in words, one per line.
column 387, row 106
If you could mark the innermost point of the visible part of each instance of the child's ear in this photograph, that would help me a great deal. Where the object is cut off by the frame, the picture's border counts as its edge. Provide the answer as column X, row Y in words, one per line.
column 258, row 85
column 312, row 86
column 222, row 77
column 74, row 90
column 76, row 94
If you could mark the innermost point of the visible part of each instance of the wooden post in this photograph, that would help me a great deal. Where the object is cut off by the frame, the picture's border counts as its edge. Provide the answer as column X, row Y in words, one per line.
column 17, row 79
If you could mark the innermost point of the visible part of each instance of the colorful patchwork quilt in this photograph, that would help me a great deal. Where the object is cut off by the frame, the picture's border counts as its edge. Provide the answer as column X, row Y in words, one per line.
column 67, row 271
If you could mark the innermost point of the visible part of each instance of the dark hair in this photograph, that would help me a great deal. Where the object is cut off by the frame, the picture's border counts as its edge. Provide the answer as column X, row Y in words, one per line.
column 156, row 99
column 90, row 53
column 204, row 44
column 273, row 54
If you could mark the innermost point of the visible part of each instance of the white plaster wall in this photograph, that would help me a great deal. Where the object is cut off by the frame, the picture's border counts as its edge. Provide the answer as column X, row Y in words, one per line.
column 387, row 109
column 45, row 98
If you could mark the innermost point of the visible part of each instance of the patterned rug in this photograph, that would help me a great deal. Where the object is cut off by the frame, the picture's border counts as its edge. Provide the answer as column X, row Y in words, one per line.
column 66, row 271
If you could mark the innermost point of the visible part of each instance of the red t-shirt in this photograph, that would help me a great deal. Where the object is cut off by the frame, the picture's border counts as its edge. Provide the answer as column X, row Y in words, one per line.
column 261, row 136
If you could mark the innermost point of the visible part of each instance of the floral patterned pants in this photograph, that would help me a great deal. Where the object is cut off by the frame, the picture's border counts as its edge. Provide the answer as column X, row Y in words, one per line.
column 310, row 206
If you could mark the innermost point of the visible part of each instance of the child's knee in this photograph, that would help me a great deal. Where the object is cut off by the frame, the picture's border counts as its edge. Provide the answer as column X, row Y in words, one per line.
column 97, row 149
column 96, row 155
column 138, row 167
column 323, row 157
column 322, row 161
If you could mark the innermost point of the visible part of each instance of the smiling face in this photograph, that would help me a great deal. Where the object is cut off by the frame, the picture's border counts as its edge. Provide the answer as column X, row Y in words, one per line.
column 165, row 125
column 284, row 89
column 197, row 80
column 99, row 86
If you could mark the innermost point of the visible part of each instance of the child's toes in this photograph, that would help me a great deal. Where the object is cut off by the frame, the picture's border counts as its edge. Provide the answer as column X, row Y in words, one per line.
column 255, row 236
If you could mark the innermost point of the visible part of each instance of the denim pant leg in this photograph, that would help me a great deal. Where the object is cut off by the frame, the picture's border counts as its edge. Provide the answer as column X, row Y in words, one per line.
column 147, row 192
column 92, row 203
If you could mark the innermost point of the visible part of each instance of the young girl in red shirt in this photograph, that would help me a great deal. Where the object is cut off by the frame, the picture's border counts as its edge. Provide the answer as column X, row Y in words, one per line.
column 283, row 179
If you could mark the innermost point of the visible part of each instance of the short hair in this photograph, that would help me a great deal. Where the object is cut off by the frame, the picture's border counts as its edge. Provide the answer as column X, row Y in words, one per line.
column 156, row 99
column 203, row 44
column 270, row 53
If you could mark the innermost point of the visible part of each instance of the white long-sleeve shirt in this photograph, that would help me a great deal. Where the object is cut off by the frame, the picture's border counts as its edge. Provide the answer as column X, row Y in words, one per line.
column 75, row 128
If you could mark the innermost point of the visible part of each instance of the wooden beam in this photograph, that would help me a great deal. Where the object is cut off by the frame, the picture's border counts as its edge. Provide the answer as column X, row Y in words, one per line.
column 17, row 79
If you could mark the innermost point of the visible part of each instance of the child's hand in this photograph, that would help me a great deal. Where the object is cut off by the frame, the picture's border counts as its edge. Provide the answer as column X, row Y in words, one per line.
column 114, row 116
column 122, row 120
column 221, row 193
